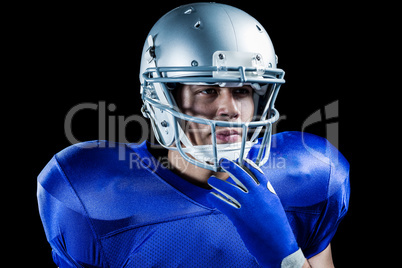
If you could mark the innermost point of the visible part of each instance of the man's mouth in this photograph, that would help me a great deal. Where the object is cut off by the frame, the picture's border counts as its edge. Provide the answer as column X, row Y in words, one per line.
column 227, row 136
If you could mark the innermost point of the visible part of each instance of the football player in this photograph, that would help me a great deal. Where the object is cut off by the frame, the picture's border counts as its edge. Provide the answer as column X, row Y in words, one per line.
column 226, row 196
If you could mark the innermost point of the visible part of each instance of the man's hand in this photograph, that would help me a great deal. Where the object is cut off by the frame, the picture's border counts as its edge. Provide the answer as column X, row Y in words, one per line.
column 256, row 212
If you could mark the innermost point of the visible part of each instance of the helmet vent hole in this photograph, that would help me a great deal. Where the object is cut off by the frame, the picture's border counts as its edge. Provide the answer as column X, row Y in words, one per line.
column 189, row 11
column 197, row 25
column 258, row 28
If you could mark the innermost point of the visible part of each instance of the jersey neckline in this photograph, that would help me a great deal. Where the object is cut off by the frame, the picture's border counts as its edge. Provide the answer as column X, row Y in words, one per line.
column 195, row 193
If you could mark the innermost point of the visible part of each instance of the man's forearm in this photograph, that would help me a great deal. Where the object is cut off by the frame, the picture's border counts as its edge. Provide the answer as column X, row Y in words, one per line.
column 306, row 264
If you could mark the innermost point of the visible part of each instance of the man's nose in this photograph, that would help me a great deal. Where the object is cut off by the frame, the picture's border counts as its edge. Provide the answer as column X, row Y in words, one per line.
column 228, row 108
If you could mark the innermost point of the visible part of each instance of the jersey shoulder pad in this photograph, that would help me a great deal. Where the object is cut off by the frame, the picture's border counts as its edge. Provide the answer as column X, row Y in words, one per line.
column 81, row 163
column 111, row 181
column 305, row 169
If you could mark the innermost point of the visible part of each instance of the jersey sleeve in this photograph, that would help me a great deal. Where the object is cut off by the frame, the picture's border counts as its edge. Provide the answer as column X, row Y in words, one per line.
column 311, row 177
column 335, row 207
column 334, row 212
column 67, row 227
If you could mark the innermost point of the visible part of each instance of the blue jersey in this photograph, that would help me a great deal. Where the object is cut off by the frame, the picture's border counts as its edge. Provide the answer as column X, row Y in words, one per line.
column 107, row 204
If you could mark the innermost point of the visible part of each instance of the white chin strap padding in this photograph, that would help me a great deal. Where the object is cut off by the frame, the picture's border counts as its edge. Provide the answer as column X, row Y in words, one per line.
column 205, row 153
column 231, row 151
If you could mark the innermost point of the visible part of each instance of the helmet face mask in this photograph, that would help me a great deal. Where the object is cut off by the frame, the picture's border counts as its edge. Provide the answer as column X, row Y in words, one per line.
column 248, row 60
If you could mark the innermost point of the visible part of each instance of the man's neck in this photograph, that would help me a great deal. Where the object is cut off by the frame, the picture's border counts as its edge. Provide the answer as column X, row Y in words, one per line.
column 196, row 175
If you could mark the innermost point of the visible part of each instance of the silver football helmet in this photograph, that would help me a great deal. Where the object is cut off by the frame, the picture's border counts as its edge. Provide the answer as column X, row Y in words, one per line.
column 209, row 44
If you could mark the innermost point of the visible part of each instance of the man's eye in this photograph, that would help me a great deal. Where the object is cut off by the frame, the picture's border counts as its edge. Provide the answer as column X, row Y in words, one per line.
column 209, row 91
column 242, row 91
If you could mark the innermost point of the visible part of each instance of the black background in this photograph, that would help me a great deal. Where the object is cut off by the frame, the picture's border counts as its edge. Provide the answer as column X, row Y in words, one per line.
column 65, row 54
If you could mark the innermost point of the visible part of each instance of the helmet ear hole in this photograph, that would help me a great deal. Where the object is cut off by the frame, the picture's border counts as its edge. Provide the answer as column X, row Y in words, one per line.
column 163, row 125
